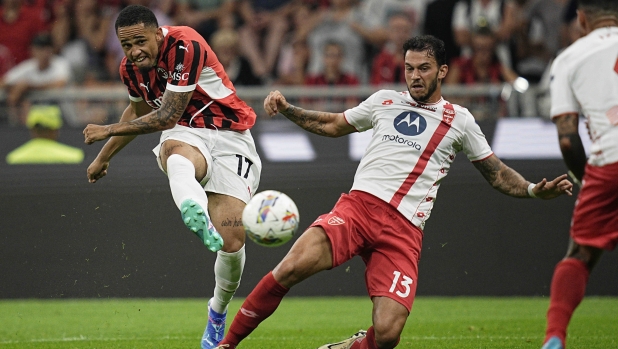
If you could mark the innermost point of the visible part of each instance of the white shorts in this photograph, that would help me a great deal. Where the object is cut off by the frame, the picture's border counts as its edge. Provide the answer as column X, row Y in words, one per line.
column 234, row 165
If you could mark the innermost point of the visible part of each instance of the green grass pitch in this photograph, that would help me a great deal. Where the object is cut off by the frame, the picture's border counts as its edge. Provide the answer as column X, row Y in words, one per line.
column 435, row 322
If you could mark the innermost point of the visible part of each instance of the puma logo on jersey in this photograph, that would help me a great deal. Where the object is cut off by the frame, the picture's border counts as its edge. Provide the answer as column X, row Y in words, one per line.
column 183, row 48
column 145, row 86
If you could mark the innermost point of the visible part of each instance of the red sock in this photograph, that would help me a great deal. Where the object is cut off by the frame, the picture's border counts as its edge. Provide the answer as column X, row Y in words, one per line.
column 568, row 288
column 260, row 304
column 369, row 342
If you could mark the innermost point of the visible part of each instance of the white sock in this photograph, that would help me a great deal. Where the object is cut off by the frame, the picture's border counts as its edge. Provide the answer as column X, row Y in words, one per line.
column 181, row 174
column 228, row 270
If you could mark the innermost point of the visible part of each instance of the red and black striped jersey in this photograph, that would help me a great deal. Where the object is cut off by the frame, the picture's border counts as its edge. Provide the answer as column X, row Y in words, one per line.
column 187, row 63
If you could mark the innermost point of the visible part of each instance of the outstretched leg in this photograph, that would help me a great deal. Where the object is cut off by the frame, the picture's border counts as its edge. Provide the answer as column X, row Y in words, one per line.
column 568, row 288
column 310, row 254
column 185, row 166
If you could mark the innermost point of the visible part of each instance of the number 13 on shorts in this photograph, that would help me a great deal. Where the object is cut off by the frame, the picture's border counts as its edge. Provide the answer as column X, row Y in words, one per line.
column 402, row 280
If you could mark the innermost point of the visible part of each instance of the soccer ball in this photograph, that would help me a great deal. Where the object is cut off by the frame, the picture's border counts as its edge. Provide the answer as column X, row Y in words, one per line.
column 270, row 218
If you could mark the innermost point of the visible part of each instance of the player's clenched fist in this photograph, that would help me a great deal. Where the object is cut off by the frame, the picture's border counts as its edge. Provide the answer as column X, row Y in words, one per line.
column 93, row 133
column 275, row 102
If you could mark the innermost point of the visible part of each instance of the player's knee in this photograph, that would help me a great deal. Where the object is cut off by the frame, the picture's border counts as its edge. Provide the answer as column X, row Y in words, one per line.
column 387, row 330
column 232, row 243
column 289, row 272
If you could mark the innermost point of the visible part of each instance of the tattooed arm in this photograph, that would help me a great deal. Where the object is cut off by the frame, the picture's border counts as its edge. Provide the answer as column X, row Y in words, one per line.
column 173, row 105
column 318, row 122
column 98, row 168
column 571, row 145
column 508, row 181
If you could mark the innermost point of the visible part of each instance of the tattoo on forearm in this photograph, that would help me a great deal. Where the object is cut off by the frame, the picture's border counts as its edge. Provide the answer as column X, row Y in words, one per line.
column 312, row 121
column 502, row 177
column 173, row 106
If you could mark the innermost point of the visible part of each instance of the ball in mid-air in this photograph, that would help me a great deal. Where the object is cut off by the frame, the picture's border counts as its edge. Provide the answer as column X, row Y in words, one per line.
column 270, row 218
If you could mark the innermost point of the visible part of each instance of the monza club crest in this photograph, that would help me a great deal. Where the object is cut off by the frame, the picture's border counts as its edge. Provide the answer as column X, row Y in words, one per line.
column 448, row 114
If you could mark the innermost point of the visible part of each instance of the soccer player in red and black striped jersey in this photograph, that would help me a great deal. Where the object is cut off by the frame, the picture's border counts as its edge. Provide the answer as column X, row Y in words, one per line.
column 177, row 85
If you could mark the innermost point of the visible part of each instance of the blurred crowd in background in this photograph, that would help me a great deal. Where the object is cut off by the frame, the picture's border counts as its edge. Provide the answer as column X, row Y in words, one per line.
column 53, row 43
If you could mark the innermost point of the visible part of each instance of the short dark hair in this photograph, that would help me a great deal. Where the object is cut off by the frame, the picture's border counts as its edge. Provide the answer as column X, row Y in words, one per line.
column 43, row 40
column 599, row 7
column 136, row 14
column 429, row 43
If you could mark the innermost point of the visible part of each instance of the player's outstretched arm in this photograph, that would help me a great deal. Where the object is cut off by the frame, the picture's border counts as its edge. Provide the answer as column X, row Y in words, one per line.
column 318, row 122
column 509, row 182
column 571, row 145
column 98, row 167
column 166, row 117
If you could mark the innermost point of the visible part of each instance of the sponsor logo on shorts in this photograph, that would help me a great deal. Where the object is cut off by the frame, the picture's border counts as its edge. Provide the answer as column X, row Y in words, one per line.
column 334, row 220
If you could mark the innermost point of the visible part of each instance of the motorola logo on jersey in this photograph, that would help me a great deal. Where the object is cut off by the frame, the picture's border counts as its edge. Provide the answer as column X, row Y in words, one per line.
column 401, row 140
column 410, row 123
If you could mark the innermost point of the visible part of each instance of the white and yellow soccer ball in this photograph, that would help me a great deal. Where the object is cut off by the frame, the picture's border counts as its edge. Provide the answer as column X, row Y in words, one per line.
column 270, row 218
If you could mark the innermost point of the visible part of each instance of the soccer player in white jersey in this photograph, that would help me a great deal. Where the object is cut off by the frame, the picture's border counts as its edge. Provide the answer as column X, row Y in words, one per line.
column 585, row 77
column 416, row 134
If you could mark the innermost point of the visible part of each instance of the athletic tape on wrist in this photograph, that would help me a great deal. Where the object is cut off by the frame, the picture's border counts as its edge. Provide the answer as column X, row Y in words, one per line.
column 530, row 192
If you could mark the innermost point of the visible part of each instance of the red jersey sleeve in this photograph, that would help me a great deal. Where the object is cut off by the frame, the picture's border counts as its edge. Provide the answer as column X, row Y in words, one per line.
column 129, row 81
column 185, row 62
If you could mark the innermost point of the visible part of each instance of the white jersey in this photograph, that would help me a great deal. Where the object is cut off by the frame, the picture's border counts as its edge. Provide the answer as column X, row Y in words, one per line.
column 585, row 75
column 412, row 148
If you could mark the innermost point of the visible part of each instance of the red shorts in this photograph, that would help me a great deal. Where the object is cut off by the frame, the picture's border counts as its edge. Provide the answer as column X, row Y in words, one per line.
column 390, row 245
column 595, row 217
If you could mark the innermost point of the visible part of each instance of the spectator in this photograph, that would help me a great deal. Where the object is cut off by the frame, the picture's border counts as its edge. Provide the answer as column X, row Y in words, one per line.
column 332, row 75
column 483, row 66
column 224, row 43
column 80, row 32
column 439, row 23
column 204, row 16
column 292, row 66
column 43, row 71
column 469, row 14
column 294, row 54
column 44, row 123
column 388, row 67
column 376, row 14
column 265, row 24
column 19, row 24
column 335, row 24
column 542, row 37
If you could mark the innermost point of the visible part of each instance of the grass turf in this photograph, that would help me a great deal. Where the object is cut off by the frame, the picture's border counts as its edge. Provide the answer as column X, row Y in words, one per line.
column 298, row 323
